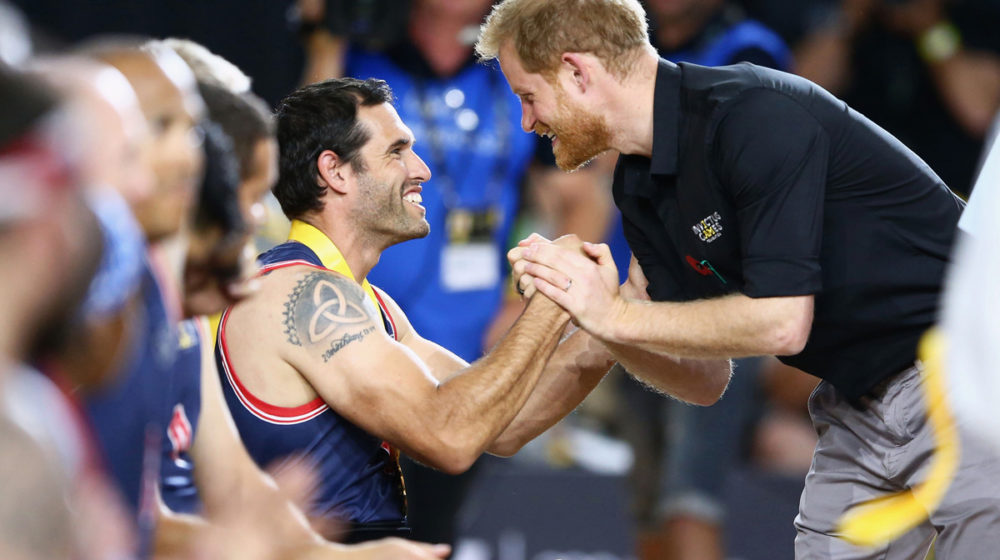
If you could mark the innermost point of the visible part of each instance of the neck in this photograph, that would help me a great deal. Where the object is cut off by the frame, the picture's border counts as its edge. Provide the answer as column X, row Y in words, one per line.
column 437, row 35
column 632, row 107
column 358, row 249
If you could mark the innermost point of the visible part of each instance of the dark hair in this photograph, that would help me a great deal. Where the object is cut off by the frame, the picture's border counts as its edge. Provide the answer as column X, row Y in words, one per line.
column 318, row 117
column 218, row 202
column 244, row 117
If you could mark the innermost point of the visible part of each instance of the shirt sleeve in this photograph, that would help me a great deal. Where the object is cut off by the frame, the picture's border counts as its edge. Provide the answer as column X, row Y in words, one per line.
column 771, row 155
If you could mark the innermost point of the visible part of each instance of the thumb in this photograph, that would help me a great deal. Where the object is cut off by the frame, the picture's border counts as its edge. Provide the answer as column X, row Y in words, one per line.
column 440, row 550
column 600, row 252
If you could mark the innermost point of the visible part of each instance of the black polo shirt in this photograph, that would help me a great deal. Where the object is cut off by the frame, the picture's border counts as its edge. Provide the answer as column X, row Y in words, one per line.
column 761, row 182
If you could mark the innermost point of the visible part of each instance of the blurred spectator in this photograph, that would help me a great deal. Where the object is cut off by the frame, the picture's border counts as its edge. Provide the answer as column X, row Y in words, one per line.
column 253, row 34
column 15, row 40
column 130, row 416
column 928, row 71
column 46, row 228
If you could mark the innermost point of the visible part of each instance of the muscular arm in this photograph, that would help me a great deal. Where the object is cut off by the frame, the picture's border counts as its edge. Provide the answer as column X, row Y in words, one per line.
column 433, row 411
column 682, row 349
column 240, row 498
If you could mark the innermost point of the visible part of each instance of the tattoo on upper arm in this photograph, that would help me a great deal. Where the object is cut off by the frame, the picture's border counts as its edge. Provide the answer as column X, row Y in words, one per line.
column 323, row 304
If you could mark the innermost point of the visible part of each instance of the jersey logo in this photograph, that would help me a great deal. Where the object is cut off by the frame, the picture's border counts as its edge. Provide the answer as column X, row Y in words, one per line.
column 709, row 228
column 179, row 432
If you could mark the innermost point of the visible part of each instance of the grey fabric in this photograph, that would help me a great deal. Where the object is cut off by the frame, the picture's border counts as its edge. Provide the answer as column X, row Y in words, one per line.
column 864, row 454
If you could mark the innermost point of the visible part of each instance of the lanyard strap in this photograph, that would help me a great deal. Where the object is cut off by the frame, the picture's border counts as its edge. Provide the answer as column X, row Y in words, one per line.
column 328, row 253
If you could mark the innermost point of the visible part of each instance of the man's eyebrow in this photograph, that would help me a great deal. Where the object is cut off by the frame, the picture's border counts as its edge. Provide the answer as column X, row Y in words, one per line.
column 399, row 143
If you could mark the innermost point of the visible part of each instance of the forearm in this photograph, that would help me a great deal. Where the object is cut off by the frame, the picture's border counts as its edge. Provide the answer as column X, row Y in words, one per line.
column 475, row 405
column 697, row 381
column 969, row 84
column 251, row 493
column 576, row 367
column 325, row 56
column 176, row 534
column 732, row 326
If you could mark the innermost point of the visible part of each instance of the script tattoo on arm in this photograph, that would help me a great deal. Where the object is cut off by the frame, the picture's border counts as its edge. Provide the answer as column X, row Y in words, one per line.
column 324, row 306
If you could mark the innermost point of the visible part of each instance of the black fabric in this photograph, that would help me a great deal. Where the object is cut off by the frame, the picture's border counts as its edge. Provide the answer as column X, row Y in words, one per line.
column 252, row 34
column 762, row 183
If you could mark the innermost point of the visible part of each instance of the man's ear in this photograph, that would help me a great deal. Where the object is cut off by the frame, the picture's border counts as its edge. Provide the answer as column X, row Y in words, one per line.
column 333, row 171
column 577, row 71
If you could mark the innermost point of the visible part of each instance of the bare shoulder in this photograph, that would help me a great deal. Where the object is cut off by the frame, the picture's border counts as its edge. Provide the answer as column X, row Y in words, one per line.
column 294, row 326
column 324, row 311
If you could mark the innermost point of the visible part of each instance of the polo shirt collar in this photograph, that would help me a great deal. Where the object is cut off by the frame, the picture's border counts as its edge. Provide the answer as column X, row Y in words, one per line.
column 666, row 119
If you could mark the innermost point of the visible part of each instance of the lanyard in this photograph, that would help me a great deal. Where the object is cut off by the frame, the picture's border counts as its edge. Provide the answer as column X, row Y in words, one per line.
column 327, row 252
column 448, row 179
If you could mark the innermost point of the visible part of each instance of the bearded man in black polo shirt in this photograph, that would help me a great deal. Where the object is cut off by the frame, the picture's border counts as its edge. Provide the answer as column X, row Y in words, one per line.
column 768, row 218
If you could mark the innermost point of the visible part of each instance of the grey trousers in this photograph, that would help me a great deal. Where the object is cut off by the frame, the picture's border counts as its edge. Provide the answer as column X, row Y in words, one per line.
column 867, row 454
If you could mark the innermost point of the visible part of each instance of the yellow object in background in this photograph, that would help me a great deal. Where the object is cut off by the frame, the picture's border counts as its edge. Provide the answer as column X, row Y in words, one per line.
column 882, row 520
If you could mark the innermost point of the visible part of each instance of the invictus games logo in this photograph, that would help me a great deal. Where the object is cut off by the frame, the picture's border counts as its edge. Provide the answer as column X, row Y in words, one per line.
column 709, row 228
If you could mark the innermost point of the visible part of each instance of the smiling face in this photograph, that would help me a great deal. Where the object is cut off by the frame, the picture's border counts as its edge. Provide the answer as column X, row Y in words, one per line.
column 547, row 109
column 172, row 110
column 389, row 175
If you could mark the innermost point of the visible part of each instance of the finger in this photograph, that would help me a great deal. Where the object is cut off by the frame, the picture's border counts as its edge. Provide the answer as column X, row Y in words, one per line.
column 521, row 284
column 533, row 238
column 570, row 241
column 557, row 257
column 440, row 550
column 600, row 252
column 550, row 275
column 526, row 286
column 515, row 254
column 556, row 294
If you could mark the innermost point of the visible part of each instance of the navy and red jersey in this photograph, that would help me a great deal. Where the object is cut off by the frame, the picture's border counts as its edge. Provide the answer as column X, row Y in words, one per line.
column 129, row 417
column 176, row 466
column 358, row 473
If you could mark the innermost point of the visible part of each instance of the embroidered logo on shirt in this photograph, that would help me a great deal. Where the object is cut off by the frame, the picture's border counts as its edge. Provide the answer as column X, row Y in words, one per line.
column 709, row 228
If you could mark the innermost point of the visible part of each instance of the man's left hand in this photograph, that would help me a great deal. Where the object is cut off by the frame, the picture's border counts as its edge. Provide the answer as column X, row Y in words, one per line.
column 584, row 284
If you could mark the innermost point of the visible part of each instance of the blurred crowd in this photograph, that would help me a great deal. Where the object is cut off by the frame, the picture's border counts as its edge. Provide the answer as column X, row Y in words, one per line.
column 137, row 152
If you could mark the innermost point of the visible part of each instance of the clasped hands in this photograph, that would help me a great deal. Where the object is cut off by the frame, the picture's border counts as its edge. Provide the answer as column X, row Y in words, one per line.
column 578, row 276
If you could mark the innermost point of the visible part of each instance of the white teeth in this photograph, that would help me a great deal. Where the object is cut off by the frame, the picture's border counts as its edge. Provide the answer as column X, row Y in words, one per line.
column 414, row 198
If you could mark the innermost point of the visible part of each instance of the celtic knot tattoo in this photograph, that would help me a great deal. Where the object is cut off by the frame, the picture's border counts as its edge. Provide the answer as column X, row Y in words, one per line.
column 289, row 313
column 322, row 305
column 332, row 311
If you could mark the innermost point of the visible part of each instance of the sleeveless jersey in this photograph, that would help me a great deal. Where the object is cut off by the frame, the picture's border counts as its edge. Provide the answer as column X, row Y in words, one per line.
column 176, row 467
column 129, row 417
column 358, row 474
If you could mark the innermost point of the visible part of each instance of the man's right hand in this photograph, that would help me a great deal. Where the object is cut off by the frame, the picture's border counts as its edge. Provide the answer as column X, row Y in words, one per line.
column 524, row 283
